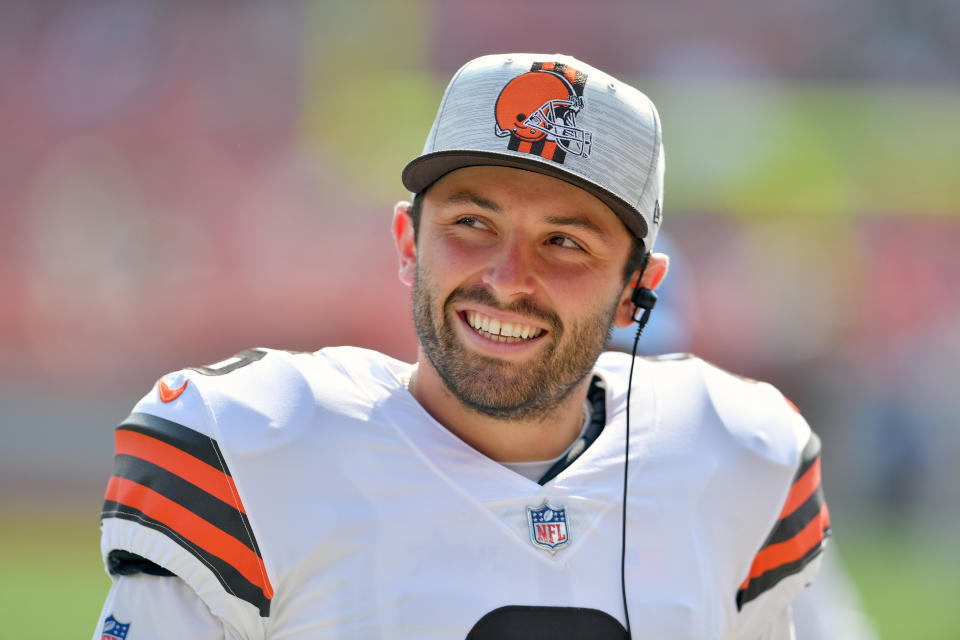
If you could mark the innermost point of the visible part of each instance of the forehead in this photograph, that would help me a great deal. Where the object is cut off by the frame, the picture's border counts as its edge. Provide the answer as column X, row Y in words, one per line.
column 518, row 191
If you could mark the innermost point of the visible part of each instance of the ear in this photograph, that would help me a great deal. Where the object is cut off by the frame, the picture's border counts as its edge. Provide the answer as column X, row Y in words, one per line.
column 656, row 271
column 404, row 240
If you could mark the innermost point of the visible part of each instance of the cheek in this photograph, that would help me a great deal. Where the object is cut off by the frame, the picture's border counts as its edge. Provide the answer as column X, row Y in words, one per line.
column 581, row 297
column 579, row 283
column 454, row 261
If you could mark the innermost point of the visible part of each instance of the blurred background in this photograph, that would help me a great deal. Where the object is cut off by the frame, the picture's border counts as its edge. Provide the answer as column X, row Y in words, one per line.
column 180, row 181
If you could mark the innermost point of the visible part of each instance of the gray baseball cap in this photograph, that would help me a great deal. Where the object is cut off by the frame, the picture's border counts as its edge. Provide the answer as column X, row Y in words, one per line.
column 554, row 115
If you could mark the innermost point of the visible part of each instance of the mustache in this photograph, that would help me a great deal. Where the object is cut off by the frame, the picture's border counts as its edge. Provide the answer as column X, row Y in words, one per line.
column 524, row 306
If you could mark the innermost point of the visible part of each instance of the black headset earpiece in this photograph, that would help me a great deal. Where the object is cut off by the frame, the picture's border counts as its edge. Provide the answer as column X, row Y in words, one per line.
column 643, row 299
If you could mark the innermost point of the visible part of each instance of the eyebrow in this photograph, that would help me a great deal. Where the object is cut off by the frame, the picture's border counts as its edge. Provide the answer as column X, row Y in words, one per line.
column 576, row 221
column 469, row 197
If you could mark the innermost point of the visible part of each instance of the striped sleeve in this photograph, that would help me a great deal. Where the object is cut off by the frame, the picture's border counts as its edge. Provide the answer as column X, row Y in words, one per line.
column 174, row 480
column 799, row 534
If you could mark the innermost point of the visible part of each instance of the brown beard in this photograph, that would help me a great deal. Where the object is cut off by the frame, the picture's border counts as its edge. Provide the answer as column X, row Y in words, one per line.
column 498, row 388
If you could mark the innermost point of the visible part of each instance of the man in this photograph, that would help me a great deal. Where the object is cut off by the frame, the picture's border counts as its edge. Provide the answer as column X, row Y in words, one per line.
column 481, row 491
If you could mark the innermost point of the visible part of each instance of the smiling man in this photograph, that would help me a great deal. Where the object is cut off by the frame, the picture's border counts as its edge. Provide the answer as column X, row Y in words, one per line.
column 520, row 280
column 514, row 482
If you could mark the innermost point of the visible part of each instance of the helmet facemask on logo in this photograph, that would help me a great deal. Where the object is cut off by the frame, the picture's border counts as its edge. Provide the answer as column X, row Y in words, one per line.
column 557, row 119
column 540, row 106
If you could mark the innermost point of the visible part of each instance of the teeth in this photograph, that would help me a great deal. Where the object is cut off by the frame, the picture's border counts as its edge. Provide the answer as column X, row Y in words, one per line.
column 501, row 331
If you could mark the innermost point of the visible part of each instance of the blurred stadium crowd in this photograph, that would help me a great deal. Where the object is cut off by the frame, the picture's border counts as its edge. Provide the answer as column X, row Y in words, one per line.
column 181, row 181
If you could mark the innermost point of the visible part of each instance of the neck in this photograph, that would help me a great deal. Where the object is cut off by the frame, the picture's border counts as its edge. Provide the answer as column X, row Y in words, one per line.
column 520, row 440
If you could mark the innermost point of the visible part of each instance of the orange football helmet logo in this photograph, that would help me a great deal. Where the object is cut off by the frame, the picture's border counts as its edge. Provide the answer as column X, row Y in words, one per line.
column 538, row 110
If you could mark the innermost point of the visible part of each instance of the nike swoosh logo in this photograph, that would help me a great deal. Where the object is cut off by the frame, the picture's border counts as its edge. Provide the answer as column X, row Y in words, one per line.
column 169, row 395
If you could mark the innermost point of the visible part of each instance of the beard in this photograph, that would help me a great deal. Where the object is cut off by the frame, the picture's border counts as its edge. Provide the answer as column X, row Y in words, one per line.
column 502, row 389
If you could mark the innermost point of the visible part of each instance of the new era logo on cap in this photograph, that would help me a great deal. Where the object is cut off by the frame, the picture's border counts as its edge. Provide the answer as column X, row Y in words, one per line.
column 555, row 115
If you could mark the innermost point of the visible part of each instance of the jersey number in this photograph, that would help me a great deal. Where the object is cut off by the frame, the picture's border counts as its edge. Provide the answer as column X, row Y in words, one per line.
column 557, row 623
column 233, row 363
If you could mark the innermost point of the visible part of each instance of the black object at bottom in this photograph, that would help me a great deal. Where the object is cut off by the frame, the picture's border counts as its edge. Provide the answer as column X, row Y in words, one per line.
column 546, row 623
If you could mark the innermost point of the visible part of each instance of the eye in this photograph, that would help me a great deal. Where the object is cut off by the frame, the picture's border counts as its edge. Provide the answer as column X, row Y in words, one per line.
column 472, row 222
column 563, row 241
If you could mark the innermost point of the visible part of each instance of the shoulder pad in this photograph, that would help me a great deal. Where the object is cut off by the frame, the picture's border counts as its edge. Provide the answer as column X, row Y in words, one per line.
column 757, row 415
column 172, row 498
column 242, row 395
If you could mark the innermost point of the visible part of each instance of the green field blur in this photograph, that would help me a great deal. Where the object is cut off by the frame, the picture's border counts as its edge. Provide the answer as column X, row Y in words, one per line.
column 54, row 583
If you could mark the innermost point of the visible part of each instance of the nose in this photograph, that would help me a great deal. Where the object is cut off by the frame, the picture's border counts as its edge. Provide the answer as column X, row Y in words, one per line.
column 510, row 273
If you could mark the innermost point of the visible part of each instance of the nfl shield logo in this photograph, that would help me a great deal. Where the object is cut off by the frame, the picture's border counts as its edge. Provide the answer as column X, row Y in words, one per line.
column 113, row 629
column 548, row 527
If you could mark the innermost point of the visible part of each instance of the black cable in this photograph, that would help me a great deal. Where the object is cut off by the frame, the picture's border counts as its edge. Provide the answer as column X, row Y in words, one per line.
column 626, row 464
column 642, row 299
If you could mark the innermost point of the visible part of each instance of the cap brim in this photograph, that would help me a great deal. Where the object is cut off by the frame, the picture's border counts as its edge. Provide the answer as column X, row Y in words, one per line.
column 423, row 171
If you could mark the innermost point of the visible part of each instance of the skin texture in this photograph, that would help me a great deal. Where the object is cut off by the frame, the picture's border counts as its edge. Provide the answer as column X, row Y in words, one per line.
column 527, row 249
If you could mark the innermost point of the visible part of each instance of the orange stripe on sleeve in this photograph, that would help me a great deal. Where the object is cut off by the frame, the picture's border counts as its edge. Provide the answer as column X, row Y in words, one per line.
column 802, row 489
column 190, row 526
column 549, row 148
column 793, row 549
column 548, row 66
column 194, row 471
column 570, row 74
column 524, row 146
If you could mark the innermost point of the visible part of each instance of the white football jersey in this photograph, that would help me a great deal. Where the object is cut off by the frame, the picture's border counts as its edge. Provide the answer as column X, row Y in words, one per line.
column 303, row 495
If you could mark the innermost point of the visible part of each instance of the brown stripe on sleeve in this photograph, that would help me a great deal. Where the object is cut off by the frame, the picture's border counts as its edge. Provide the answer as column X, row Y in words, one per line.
column 174, row 480
column 799, row 534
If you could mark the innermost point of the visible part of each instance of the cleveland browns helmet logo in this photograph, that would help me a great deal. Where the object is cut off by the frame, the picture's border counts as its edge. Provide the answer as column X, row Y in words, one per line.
column 538, row 110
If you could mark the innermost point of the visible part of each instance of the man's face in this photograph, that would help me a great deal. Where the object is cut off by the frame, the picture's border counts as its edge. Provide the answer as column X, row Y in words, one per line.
column 518, row 278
